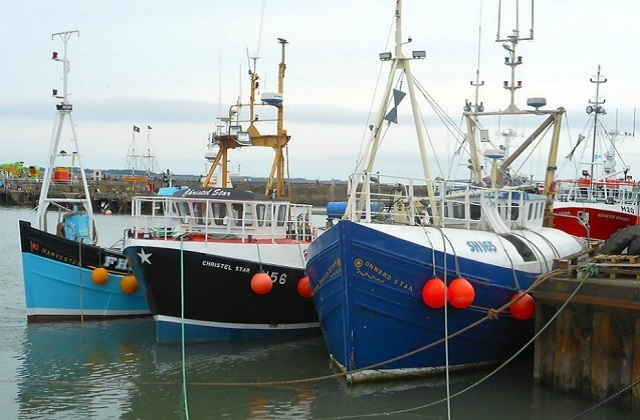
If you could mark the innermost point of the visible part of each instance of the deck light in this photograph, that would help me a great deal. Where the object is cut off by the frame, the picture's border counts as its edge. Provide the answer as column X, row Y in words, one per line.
column 385, row 56
column 419, row 54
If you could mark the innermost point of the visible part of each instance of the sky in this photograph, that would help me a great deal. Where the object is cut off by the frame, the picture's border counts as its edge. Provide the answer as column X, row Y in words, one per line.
column 176, row 66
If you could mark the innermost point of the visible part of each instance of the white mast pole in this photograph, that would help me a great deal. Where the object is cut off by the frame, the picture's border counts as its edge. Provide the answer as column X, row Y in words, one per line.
column 400, row 62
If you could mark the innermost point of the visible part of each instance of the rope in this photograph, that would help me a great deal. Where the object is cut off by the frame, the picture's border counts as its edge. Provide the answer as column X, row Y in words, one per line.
column 506, row 362
column 259, row 259
column 513, row 266
column 184, row 350
column 503, row 308
column 302, row 261
column 591, row 270
column 80, row 279
column 606, row 400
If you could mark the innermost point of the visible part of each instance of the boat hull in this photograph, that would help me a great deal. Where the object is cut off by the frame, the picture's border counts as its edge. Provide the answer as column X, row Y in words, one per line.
column 603, row 219
column 57, row 279
column 203, row 289
column 367, row 282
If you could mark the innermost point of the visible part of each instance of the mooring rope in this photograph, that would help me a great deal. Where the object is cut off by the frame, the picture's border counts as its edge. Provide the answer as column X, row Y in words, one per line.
column 489, row 316
column 446, row 317
column 183, row 345
column 80, row 280
column 499, row 368
column 606, row 400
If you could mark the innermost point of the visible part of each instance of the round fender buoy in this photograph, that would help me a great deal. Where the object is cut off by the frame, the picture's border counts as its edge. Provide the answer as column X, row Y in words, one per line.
column 524, row 308
column 433, row 293
column 261, row 283
column 304, row 287
column 100, row 275
column 129, row 285
column 107, row 212
column 460, row 293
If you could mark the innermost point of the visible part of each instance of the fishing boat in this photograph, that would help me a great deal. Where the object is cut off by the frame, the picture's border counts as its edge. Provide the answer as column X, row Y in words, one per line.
column 600, row 200
column 66, row 274
column 220, row 263
column 404, row 281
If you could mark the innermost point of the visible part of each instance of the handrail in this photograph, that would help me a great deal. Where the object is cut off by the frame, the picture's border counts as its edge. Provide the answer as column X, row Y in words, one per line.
column 163, row 217
column 404, row 200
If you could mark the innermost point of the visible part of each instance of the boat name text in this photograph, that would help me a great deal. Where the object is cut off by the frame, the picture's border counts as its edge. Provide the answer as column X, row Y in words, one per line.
column 334, row 269
column 115, row 263
column 366, row 268
column 482, row 246
column 217, row 192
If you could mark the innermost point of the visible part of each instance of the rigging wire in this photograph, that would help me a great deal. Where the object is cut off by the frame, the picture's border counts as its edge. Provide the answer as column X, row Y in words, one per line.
column 183, row 346
column 364, row 134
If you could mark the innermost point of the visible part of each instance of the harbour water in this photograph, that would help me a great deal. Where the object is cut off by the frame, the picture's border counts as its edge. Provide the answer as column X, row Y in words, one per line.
column 115, row 369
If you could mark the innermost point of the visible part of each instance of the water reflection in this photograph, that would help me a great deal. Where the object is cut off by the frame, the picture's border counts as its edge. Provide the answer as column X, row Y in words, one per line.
column 80, row 370
column 115, row 369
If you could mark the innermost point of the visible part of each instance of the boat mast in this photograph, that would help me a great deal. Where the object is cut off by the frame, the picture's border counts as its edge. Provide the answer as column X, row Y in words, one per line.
column 476, row 168
column 252, row 137
column 399, row 62
column 596, row 109
column 63, row 109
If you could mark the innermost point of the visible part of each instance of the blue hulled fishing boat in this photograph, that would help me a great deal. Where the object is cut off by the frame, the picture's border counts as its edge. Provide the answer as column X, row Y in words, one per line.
column 66, row 274
column 404, row 282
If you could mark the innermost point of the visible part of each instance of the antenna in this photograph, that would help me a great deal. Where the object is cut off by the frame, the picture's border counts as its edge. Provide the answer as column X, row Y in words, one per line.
column 64, row 110
column 264, row 3
column 477, row 107
column 510, row 43
column 248, row 60
column 596, row 110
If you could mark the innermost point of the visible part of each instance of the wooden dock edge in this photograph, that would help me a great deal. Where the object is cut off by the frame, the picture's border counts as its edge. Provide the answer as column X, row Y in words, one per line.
column 593, row 346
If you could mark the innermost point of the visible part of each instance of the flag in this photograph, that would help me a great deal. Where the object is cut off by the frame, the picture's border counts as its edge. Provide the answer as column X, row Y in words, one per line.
column 136, row 129
column 148, row 127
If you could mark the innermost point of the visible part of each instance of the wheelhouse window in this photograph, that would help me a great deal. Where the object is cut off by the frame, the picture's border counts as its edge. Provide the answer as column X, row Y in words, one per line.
column 200, row 213
column 242, row 214
column 264, row 214
column 282, row 214
column 515, row 211
column 218, row 213
column 184, row 210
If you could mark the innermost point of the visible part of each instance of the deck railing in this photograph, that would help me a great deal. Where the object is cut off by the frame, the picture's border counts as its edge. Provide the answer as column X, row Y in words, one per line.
column 403, row 200
column 172, row 218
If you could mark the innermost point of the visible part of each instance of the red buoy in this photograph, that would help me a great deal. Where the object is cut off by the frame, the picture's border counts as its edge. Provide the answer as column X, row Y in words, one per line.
column 304, row 287
column 524, row 308
column 433, row 293
column 460, row 293
column 261, row 283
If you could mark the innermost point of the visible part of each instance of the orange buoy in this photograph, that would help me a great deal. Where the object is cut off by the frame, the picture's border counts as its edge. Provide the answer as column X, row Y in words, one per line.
column 433, row 293
column 524, row 308
column 261, row 283
column 304, row 287
column 129, row 285
column 100, row 275
column 460, row 293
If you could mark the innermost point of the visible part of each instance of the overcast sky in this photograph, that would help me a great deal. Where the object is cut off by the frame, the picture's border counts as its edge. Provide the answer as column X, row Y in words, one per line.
column 177, row 65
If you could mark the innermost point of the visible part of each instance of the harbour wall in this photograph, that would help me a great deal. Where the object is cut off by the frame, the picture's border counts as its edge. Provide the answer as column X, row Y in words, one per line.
column 116, row 195
column 588, row 319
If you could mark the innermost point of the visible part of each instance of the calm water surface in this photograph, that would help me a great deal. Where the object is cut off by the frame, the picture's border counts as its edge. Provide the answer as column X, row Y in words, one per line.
column 115, row 369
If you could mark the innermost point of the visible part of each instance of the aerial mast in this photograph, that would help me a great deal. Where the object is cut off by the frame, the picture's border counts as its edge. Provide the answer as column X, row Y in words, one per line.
column 64, row 110
column 595, row 108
